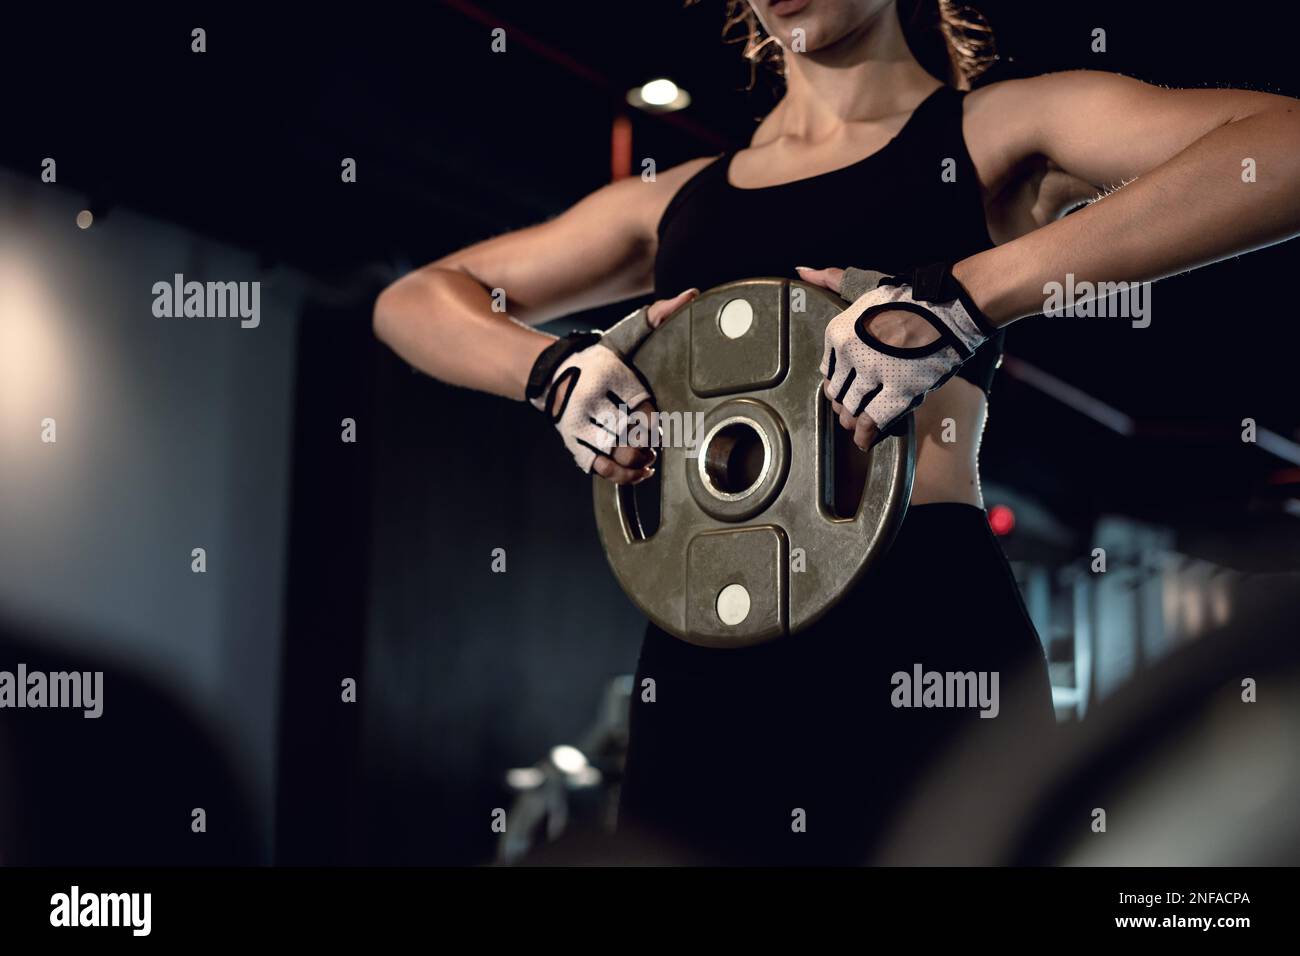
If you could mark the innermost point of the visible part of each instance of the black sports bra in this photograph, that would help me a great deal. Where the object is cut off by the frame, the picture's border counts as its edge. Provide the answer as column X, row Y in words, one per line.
column 914, row 201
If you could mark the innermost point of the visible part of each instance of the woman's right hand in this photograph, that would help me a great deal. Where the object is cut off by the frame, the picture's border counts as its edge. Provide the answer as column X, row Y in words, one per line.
column 581, row 403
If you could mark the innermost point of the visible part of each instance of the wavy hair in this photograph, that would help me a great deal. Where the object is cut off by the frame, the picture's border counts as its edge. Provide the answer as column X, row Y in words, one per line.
column 951, row 40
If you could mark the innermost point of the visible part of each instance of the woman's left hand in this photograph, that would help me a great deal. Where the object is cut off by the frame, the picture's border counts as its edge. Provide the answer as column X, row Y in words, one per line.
column 895, row 327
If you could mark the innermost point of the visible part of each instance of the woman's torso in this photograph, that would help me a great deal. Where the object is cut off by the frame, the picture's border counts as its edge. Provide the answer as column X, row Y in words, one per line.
column 894, row 195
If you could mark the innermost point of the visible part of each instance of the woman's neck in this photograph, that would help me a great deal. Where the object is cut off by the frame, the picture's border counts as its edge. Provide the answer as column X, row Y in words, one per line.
column 867, row 75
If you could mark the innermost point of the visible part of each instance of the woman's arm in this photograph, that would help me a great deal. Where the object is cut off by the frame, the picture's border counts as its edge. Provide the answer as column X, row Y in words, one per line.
column 440, row 318
column 1178, row 154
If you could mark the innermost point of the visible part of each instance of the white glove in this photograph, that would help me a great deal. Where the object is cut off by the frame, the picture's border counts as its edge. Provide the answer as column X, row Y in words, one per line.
column 882, row 381
column 602, row 391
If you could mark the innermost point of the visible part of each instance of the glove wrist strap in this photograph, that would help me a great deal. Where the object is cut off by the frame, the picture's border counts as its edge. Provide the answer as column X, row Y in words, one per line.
column 936, row 283
column 552, row 357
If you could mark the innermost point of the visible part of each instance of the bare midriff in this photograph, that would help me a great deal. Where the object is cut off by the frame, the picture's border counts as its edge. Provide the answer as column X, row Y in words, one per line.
column 948, row 429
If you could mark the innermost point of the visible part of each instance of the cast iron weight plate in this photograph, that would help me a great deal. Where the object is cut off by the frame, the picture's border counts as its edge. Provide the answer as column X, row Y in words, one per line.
column 745, row 358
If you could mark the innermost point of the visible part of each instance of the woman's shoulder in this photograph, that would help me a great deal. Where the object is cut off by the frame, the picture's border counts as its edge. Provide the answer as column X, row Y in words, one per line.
column 675, row 183
column 677, row 176
column 1024, row 101
column 999, row 123
column 643, row 197
column 1012, row 120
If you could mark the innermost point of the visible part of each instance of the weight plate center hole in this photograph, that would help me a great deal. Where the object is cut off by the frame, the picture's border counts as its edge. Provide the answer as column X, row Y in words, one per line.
column 736, row 459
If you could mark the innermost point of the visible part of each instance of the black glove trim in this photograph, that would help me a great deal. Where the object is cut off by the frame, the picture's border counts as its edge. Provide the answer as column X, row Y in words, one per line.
column 936, row 283
column 552, row 357
column 946, row 337
column 570, row 375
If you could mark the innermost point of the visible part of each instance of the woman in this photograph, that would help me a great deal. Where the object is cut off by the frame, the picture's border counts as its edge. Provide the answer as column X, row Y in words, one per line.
column 800, row 750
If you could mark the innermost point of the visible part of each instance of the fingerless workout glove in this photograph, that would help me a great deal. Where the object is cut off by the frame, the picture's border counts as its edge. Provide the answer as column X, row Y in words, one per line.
column 885, row 382
column 602, row 387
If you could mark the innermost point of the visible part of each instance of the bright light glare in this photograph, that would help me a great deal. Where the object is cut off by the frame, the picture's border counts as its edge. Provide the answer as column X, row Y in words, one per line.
column 659, row 92
column 36, row 378
column 568, row 759
column 659, row 96
column 524, row 778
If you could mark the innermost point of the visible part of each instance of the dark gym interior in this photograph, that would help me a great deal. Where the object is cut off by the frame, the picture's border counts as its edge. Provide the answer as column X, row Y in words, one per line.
column 371, row 560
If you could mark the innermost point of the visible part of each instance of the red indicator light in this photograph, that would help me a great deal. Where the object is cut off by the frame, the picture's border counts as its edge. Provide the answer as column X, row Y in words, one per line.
column 1001, row 519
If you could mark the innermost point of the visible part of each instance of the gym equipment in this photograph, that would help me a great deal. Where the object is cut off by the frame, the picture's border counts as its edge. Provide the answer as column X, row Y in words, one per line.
column 748, row 546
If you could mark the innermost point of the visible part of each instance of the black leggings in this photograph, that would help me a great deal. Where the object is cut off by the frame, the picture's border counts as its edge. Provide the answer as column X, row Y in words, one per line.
column 740, row 747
